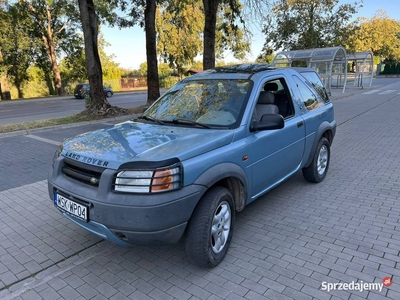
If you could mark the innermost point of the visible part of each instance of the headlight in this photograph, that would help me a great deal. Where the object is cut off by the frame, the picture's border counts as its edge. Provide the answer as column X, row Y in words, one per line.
column 57, row 154
column 149, row 181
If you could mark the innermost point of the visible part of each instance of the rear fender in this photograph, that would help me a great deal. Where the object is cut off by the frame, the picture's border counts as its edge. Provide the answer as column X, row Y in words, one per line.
column 327, row 130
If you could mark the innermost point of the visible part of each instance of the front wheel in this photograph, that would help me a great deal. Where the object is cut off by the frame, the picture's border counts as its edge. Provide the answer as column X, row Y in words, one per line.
column 316, row 172
column 210, row 229
column 109, row 94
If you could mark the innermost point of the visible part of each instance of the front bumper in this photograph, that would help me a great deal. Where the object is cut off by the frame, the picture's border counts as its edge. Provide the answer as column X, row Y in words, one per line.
column 124, row 218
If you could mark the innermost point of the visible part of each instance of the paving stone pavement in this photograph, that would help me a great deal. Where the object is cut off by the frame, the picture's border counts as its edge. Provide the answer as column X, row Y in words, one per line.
column 285, row 245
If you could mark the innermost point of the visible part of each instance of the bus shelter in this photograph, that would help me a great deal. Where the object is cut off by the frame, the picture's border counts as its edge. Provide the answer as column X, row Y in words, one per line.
column 330, row 63
column 362, row 68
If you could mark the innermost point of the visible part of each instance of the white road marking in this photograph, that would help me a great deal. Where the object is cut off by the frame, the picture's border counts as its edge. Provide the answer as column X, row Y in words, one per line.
column 371, row 92
column 387, row 92
column 43, row 139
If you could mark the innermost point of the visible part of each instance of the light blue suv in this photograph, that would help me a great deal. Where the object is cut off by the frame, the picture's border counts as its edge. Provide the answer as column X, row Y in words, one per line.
column 212, row 144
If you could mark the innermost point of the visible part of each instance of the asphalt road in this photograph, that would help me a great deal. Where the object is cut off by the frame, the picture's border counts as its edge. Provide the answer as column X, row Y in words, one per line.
column 13, row 112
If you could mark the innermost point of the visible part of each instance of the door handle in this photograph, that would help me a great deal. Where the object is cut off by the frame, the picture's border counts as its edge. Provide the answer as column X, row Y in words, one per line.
column 300, row 123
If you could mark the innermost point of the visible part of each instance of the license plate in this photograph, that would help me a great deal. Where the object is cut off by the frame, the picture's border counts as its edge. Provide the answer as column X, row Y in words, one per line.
column 71, row 207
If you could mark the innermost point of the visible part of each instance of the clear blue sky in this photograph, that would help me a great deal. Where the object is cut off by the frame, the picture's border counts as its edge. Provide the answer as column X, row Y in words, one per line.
column 128, row 45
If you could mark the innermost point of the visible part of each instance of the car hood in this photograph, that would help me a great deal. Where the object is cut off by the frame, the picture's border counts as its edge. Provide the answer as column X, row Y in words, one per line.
column 133, row 141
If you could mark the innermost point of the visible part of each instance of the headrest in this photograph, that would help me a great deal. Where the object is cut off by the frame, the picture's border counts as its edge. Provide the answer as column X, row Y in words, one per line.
column 266, row 98
column 271, row 86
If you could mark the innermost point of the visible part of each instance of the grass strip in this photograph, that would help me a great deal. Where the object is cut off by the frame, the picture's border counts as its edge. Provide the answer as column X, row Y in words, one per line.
column 80, row 117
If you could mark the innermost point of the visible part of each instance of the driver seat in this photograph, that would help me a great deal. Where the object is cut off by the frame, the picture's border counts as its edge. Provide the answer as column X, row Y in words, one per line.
column 265, row 104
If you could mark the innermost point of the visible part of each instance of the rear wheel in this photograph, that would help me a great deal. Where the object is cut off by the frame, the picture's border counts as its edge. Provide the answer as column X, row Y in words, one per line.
column 210, row 229
column 109, row 94
column 318, row 168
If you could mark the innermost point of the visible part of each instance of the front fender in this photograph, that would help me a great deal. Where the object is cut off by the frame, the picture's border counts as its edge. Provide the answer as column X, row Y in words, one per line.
column 224, row 171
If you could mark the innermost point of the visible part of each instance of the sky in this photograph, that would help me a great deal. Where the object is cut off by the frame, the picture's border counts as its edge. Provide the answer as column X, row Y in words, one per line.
column 129, row 48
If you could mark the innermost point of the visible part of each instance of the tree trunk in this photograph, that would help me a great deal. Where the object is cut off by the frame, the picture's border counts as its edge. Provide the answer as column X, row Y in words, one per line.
column 48, row 40
column 210, row 24
column 153, row 84
column 51, row 52
column 18, row 85
column 98, row 102
column 5, row 89
column 49, row 82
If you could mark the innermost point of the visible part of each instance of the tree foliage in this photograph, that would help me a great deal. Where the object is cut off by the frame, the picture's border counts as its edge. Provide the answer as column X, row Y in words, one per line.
column 307, row 24
column 55, row 23
column 232, row 14
column 142, row 13
column 379, row 34
column 180, row 26
column 229, row 35
column 15, row 46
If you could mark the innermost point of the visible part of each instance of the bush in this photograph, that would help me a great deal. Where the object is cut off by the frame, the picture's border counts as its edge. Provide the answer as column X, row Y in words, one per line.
column 391, row 68
column 169, row 81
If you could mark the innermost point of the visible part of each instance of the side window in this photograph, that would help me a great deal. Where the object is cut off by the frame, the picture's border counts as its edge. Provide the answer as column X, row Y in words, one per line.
column 282, row 98
column 310, row 100
column 316, row 83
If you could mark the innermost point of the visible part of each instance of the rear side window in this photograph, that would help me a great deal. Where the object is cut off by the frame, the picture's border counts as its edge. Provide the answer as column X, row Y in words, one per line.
column 316, row 82
column 310, row 100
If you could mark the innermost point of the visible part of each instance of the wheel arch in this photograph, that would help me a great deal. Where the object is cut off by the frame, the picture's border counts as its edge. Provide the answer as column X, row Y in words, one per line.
column 230, row 176
column 327, row 131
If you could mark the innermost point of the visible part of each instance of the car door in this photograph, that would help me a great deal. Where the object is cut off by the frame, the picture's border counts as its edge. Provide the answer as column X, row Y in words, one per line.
column 277, row 153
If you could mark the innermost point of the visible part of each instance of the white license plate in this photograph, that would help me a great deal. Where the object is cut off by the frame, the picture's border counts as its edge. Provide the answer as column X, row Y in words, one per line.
column 71, row 207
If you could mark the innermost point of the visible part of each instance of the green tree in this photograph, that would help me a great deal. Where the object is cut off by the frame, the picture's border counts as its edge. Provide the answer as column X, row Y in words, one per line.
column 229, row 36
column 55, row 23
column 197, row 65
column 307, row 24
column 180, row 26
column 235, row 12
column 164, row 70
column 141, row 12
column 210, row 8
column 379, row 34
column 73, row 70
column 4, row 27
column 16, row 47
column 98, row 103
column 143, row 69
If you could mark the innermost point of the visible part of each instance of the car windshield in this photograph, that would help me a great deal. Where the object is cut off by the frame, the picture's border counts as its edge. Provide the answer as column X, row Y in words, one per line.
column 212, row 102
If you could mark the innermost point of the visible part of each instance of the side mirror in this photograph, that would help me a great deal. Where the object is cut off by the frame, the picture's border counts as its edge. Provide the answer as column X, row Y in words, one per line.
column 268, row 122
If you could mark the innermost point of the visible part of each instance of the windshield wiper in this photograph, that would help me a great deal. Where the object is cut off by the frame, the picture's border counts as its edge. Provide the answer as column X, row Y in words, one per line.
column 189, row 122
column 147, row 118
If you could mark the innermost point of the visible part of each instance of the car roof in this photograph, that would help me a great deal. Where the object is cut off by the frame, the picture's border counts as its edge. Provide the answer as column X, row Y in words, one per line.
column 242, row 71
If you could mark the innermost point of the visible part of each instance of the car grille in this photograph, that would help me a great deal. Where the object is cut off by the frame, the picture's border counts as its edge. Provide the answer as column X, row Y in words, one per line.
column 82, row 172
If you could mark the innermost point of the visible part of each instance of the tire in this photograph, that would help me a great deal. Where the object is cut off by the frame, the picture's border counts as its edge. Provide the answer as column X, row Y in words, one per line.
column 109, row 94
column 318, row 168
column 210, row 228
